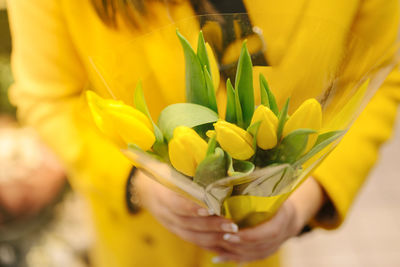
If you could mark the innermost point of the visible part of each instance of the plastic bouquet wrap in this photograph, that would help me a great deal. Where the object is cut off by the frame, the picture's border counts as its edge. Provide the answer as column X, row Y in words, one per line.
column 250, row 112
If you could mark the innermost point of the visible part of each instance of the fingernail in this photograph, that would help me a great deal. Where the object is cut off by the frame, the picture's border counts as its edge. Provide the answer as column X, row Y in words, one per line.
column 229, row 227
column 231, row 238
column 211, row 212
column 203, row 212
column 217, row 259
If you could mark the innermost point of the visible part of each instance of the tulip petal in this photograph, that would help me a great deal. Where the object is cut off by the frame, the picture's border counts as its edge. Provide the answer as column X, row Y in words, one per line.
column 267, row 135
column 121, row 108
column 96, row 103
column 186, row 150
column 131, row 130
column 308, row 115
column 214, row 67
column 234, row 140
column 179, row 158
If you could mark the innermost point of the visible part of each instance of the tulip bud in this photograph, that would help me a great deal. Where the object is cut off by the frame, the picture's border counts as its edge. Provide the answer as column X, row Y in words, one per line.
column 186, row 150
column 123, row 124
column 307, row 116
column 234, row 140
column 266, row 136
column 214, row 67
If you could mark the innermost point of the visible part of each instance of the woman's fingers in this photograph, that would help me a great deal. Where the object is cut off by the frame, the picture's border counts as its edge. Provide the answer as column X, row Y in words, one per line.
column 202, row 239
column 207, row 224
column 180, row 205
column 273, row 230
column 260, row 241
column 200, row 224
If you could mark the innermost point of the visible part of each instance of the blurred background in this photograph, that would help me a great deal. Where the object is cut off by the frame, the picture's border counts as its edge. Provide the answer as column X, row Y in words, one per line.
column 43, row 223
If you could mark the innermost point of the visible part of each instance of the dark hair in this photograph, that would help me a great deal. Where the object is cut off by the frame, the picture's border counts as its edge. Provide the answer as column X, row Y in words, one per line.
column 134, row 12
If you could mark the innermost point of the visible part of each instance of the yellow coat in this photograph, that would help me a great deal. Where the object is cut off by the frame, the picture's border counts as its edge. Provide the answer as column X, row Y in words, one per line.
column 54, row 45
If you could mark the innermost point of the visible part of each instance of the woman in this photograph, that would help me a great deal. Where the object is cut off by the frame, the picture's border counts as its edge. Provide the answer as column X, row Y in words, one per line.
column 55, row 45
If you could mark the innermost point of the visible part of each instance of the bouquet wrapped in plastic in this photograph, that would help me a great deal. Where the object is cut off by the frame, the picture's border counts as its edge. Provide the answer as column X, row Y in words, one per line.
column 253, row 124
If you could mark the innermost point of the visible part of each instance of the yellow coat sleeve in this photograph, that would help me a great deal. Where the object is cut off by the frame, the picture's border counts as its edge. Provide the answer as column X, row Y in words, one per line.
column 345, row 169
column 49, row 81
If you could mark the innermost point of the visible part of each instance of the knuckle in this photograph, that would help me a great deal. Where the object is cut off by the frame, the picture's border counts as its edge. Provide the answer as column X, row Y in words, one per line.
column 250, row 237
column 184, row 207
column 275, row 232
column 213, row 224
column 199, row 225
column 213, row 239
column 207, row 224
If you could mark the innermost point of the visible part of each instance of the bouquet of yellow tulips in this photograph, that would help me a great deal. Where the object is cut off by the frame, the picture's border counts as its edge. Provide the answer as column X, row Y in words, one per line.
column 240, row 159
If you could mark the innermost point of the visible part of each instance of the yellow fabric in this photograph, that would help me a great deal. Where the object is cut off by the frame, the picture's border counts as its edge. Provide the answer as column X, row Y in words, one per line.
column 57, row 44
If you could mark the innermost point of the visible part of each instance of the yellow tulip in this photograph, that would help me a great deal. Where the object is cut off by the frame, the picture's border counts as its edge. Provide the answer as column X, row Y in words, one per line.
column 307, row 116
column 214, row 67
column 266, row 137
column 234, row 140
column 186, row 150
column 121, row 123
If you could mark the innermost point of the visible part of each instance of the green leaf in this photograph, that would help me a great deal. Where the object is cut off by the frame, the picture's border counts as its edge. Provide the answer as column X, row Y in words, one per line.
column 293, row 145
column 202, row 52
column 283, row 118
column 212, row 144
column 230, row 105
column 203, row 129
column 244, row 85
column 264, row 95
column 238, row 109
column 140, row 104
column 212, row 99
column 212, row 168
column 325, row 136
column 253, row 130
column 239, row 167
column 161, row 149
column 271, row 98
column 323, row 141
column 135, row 148
column 196, row 90
column 184, row 114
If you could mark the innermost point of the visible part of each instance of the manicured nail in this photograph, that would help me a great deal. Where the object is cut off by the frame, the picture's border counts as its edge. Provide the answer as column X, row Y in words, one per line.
column 231, row 238
column 229, row 227
column 203, row 212
column 217, row 259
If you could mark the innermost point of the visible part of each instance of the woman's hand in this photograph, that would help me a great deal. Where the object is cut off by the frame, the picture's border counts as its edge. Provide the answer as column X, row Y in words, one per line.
column 259, row 242
column 182, row 216
column 194, row 224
